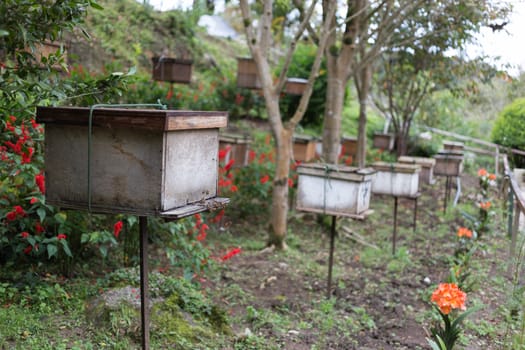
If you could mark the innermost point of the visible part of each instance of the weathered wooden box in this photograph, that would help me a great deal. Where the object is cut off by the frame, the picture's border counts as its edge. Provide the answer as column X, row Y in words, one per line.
column 452, row 146
column 448, row 164
column 239, row 148
column 141, row 161
column 383, row 141
column 334, row 190
column 173, row 70
column 304, row 148
column 247, row 76
column 295, row 86
column 426, row 175
column 396, row 179
column 349, row 146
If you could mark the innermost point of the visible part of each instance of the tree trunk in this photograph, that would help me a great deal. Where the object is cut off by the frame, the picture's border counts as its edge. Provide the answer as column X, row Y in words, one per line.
column 363, row 88
column 280, row 190
column 333, row 116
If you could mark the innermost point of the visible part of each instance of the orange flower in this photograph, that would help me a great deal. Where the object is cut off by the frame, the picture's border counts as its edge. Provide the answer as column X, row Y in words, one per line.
column 484, row 205
column 464, row 232
column 482, row 172
column 492, row 177
column 448, row 296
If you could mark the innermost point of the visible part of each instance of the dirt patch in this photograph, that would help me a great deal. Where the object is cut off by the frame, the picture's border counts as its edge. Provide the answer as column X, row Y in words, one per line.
column 379, row 300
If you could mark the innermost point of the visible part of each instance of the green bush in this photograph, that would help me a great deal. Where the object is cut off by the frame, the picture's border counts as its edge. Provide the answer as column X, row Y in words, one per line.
column 509, row 129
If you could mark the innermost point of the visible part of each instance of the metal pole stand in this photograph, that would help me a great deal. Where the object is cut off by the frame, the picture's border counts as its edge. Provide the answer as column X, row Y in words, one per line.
column 395, row 227
column 331, row 258
column 447, row 193
column 414, row 221
column 144, row 294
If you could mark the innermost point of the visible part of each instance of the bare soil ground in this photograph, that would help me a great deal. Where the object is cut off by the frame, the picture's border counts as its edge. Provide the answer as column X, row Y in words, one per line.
column 378, row 300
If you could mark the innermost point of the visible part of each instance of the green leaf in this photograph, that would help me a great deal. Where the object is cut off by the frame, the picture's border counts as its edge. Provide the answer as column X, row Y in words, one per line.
column 84, row 238
column 4, row 32
column 51, row 250
column 41, row 214
column 65, row 246
column 104, row 251
column 96, row 6
column 61, row 217
column 131, row 220
column 464, row 315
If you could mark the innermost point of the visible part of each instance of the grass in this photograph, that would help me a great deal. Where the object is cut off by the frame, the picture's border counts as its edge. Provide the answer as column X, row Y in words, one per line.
column 277, row 300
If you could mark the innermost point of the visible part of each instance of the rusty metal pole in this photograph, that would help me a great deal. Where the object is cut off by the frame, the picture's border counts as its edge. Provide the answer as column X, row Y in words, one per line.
column 395, row 227
column 447, row 193
column 331, row 258
column 144, row 294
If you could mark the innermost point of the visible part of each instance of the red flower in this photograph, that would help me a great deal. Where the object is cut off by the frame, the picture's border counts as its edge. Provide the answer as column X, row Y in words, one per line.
column 265, row 179
column 11, row 216
column 26, row 157
column 251, row 155
column 24, row 234
column 19, row 210
column 224, row 152
column 39, row 228
column 40, row 182
column 61, row 236
column 290, row 183
column 169, row 95
column 28, row 249
column 117, row 228
column 234, row 188
column 12, row 118
column 33, row 200
column 202, row 232
column 34, row 123
column 229, row 165
column 231, row 254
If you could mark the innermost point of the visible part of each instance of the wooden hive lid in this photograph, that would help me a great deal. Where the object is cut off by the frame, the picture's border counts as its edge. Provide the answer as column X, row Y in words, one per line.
column 449, row 154
column 152, row 119
column 397, row 167
column 235, row 138
column 423, row 161
column 157, row 59
column 303, row 138
column 335, row 171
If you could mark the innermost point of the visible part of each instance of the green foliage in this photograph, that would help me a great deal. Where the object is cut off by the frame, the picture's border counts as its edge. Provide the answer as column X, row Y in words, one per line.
column 254, row 181
column 300, row 67
column 509, row 129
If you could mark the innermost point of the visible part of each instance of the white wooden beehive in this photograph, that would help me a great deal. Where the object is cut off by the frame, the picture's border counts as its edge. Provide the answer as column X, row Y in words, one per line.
column 142, row 161
column 426, row 175
column 334, row 190
column 396, row 179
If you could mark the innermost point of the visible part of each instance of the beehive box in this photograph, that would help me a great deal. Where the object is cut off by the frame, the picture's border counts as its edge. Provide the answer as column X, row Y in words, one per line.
column 304, row 148
column 334, row 190
column 448, row 164
column 383, row 141
column 239, row 148
column 426, row 175
column 295, row 86
column 173, row 70
column 396, row 179
column 455, row 147
column 247, row 76
column 349, row 146
column 142, row 161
